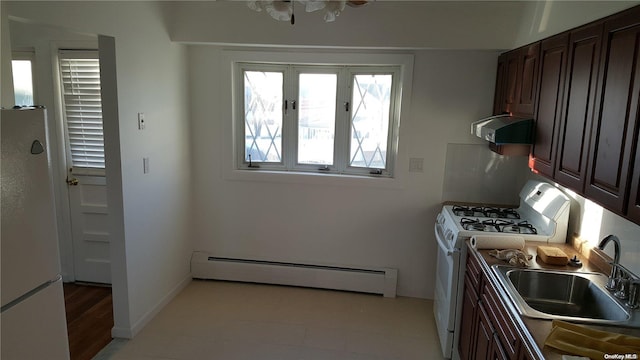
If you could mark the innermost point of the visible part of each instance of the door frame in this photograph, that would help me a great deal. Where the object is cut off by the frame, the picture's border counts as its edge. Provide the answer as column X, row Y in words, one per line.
column 63, row 213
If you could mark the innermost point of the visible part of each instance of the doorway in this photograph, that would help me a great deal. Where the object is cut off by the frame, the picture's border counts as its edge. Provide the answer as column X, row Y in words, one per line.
column 89, row 311
column 80, row 100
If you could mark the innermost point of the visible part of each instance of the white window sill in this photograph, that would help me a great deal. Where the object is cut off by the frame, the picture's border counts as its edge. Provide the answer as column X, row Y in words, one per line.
column 330, row 179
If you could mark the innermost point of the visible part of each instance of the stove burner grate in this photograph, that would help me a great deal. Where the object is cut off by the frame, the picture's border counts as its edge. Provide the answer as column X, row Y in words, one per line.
column 485, row 211
column 498, row 225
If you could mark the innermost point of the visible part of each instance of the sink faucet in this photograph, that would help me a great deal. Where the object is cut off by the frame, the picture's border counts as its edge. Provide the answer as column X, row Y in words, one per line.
column 612, row 284
column 624, row 284
column 616, row 244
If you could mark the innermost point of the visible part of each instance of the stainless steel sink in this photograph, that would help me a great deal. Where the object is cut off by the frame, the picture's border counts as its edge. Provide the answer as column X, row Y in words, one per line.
column 574, row 296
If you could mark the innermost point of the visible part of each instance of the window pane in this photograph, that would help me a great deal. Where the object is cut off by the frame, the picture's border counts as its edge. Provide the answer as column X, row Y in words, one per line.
column 370, row 120
column 82, row 102
column 263, row 116
column 22, row 82
column 316, row 118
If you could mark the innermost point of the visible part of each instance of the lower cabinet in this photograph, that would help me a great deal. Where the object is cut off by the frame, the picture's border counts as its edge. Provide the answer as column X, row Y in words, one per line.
column 467, row 323
column 487, row 330
column 485, row 336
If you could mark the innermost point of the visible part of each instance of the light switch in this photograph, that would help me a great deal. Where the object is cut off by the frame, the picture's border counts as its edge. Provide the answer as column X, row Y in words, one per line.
column 141, row 121
column 416, row 164
column 145, row 165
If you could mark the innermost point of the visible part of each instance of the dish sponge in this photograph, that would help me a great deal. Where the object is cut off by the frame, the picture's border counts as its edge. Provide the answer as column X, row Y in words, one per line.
column 552, row 255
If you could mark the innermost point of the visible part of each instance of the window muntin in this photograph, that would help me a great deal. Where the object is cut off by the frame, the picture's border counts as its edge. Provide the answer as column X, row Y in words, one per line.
column 82, row 108
column 317, row 123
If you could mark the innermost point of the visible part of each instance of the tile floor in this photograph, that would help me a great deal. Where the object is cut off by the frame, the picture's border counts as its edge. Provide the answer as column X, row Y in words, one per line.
column 227, row 320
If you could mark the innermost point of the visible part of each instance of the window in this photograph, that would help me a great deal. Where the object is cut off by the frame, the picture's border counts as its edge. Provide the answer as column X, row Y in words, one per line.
column 330, row 119
column 82, row 108
column 22, row 68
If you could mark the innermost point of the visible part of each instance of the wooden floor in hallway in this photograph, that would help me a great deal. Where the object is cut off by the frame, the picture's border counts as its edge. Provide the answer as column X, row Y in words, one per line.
column 89, row 312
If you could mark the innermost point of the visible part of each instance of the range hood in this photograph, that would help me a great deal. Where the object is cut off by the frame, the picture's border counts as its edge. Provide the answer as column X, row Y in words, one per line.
column 504, row 129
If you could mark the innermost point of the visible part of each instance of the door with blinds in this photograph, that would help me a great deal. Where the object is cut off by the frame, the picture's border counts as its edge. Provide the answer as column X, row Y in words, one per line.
column 84, row 145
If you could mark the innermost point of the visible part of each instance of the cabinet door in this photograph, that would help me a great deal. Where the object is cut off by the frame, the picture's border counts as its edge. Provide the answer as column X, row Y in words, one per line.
column 577, row 112
column 526, row 354
column 527, row 82
column 612, row 142
column 511, row 82
column 466, row 345
column 484, row 335
column 497, row 352
column 499, row 104
column 553, row 59
column 633, row 208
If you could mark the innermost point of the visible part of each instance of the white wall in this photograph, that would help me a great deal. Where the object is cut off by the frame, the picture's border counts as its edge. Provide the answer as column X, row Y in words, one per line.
column 6, row 79
column 325, row 220
column 380, row 24
column 151, row 258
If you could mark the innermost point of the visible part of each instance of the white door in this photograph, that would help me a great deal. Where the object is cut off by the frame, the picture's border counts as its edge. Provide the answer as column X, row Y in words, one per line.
column 89, row 228
column 82, row 110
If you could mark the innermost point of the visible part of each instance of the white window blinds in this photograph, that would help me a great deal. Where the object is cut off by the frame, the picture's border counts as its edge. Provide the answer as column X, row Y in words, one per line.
column 80, row 74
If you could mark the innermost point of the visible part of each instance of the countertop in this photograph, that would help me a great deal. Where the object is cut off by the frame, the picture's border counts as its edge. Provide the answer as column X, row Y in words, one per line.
column 539, row 329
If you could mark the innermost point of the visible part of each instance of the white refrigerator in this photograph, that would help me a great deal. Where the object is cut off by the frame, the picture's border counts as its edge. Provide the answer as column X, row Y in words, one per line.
column 32, row 317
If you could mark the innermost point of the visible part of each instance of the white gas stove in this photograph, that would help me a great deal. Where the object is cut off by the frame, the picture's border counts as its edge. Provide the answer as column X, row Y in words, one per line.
column 543, row 215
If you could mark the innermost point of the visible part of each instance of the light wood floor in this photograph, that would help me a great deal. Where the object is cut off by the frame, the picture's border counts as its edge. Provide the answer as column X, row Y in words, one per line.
column 89, row 319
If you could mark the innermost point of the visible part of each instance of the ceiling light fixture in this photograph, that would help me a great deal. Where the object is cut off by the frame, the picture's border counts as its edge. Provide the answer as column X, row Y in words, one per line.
column 284, row 10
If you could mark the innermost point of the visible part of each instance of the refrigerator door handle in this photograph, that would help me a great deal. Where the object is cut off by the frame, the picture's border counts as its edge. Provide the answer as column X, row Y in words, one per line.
column 19, row 299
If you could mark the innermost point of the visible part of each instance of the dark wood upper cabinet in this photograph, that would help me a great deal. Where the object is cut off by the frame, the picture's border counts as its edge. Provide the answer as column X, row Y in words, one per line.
column 614, row 128
column 517, row 81
column 633, row 207
column 577, row 106
column 499, row 103
column 583, row 89
column 553, row 60
column 527, row 82
column 511, row 82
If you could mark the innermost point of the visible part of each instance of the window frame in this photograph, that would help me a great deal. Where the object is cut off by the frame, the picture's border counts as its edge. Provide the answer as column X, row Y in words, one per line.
column 342, row 133
column 394, row 118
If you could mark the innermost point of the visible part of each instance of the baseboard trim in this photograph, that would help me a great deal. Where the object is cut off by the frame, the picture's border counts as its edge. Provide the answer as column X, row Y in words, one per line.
column 130, row 333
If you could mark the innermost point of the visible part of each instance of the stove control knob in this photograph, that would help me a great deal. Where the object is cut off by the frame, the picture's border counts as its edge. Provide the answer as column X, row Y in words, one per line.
column 448, row 235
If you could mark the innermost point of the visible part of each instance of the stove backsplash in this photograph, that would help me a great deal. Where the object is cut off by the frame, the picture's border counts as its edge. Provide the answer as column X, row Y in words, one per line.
column 473, row 173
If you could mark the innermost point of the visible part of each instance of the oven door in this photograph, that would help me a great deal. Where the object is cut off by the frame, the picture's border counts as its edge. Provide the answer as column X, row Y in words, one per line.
column 446, row 291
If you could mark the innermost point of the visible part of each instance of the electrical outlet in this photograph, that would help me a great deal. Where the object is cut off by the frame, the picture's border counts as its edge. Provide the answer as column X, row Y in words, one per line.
column 141, row 124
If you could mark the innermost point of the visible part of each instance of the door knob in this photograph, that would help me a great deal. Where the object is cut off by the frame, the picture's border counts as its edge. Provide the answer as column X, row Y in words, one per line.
column 72, row 182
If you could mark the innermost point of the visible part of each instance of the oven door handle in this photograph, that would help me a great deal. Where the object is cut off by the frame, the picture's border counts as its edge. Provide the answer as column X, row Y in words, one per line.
column 441, row 243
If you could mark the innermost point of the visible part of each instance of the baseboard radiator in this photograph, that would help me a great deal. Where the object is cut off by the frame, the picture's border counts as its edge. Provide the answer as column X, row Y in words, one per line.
column 361, row 279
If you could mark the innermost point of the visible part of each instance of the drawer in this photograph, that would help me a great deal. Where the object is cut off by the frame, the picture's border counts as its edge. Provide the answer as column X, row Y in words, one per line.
column 474, row 272
column 502, row 323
